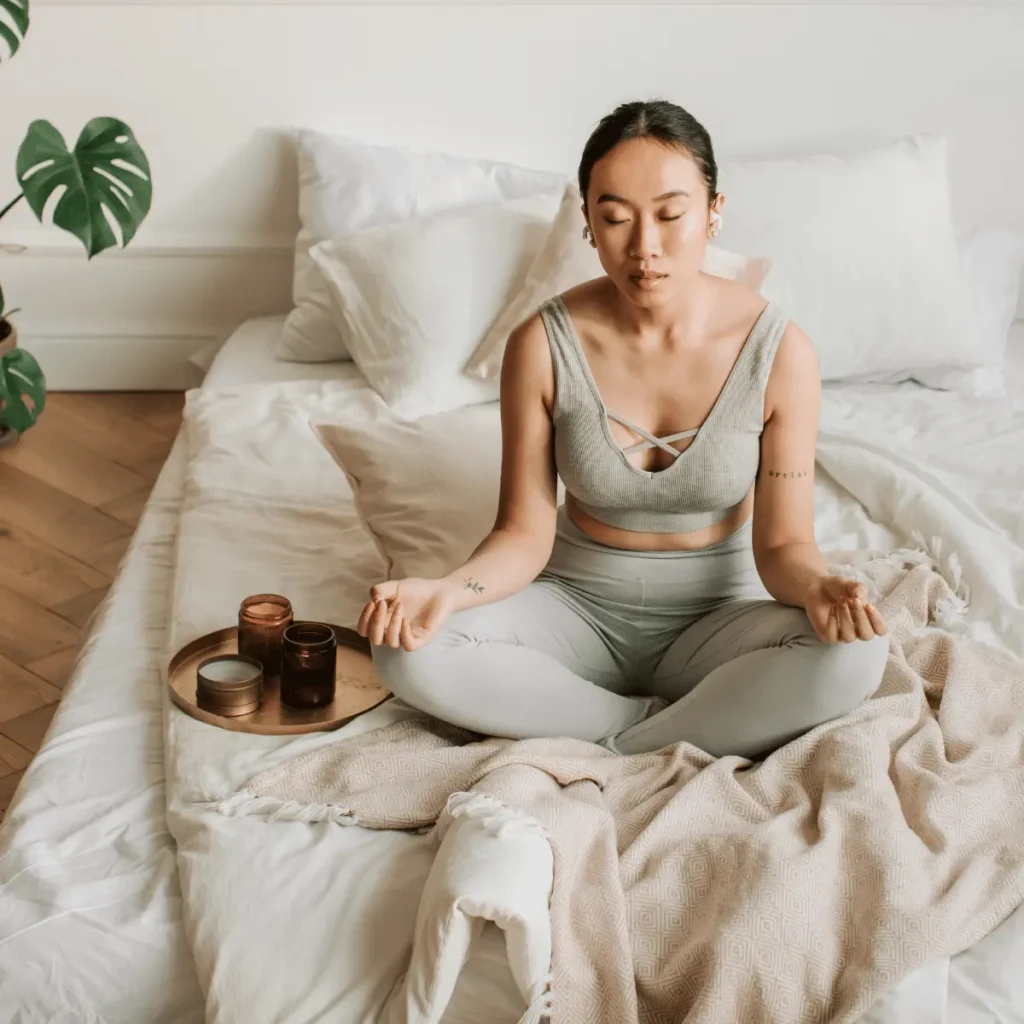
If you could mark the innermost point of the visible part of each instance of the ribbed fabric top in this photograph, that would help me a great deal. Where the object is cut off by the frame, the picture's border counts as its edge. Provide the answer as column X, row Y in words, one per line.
column 706, row 481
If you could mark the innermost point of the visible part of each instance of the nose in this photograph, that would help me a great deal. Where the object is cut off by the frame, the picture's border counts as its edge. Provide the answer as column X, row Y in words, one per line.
column 646, row 240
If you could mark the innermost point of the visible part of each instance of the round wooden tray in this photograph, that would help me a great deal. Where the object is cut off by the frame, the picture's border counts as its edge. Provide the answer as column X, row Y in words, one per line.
column 359, row 688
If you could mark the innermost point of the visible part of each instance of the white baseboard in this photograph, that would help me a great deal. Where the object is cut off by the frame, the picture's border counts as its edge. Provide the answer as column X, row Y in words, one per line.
column 117, row 363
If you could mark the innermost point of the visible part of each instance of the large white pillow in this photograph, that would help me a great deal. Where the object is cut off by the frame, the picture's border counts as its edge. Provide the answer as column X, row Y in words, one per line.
column 864, row 256
column 567, row 260
column 992, row 261
column 427, row 490
column 415, row 297
column 346, row 185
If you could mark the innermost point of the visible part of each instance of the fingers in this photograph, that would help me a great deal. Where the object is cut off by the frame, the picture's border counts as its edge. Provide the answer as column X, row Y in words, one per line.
column 818, row 616
column 384, row 591
column 370, row 616
column 393, row 633
column 831, row 626
column 379, row 622
column 876, row 620
column 854, row 620
column 847, row 630
column 861, row 622
column 412, row 637
column 363, row 625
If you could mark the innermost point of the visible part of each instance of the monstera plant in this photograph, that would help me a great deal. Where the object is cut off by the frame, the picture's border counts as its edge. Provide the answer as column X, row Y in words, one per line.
column 106, row 194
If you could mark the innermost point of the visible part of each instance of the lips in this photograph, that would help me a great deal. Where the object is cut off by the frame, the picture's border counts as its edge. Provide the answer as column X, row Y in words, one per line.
column 646, row 280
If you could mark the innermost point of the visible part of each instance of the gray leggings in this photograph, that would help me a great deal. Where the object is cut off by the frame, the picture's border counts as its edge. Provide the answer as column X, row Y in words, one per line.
column 576, row 652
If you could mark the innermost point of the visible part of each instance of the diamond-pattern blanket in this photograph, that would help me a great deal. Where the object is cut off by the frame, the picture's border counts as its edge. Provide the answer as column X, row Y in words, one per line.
column 794, row 889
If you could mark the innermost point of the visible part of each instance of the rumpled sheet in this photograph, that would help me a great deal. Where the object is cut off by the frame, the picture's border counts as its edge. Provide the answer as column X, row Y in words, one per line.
column 266, row 509
column 708, row 890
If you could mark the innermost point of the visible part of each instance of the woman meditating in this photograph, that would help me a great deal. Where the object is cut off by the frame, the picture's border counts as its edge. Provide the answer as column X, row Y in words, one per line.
column 678, row 593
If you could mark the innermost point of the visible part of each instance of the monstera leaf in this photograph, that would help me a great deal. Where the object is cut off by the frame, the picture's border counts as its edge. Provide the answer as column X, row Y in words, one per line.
column 17, row 14
column 20, row 377
column 106, row 171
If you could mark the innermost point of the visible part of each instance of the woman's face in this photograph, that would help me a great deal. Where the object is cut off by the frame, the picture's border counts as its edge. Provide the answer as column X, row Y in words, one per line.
column 647, row 206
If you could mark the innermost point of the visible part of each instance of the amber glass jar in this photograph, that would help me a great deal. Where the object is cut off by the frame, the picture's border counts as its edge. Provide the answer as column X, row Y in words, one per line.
column 262, row 620
column 309, row 657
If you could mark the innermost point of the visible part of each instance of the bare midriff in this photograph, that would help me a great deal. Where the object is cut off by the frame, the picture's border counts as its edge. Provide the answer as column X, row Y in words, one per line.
column 630, row 540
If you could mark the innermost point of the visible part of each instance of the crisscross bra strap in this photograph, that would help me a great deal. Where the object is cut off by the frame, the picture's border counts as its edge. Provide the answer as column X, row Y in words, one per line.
column 650, row 441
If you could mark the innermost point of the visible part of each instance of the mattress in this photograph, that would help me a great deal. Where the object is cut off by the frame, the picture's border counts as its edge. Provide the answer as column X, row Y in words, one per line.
column 347, row 897
column 247, row 357
column 91, row 908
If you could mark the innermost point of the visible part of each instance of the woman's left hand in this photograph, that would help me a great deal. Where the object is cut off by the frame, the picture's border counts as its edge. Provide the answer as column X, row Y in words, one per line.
column 839, row 612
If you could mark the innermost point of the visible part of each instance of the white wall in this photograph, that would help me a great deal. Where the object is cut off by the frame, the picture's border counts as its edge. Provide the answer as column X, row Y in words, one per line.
column 211, row 90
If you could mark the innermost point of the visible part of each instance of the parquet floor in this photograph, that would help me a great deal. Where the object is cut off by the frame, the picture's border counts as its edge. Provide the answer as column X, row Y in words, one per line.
column 71, row 493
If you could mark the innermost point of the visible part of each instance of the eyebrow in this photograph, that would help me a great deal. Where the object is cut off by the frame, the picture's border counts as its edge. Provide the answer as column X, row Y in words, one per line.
column 609, row 198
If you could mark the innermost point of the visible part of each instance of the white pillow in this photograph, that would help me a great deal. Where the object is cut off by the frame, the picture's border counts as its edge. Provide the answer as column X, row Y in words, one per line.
column 427, row 489
column 567, row 260
column 864, row 255
column 416, row 297
column 992, row 262
column 346, row 185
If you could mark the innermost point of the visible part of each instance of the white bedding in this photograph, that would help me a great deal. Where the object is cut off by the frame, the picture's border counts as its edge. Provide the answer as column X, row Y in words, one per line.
column 90, row 909
column 346, row 897
column 247, row 357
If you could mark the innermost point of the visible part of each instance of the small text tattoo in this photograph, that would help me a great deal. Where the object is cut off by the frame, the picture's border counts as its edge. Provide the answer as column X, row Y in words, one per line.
column 471, row 584
column 792, row 475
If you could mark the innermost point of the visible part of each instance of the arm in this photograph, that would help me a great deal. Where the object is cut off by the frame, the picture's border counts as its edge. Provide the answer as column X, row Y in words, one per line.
column 519, row 544
column 785, row 551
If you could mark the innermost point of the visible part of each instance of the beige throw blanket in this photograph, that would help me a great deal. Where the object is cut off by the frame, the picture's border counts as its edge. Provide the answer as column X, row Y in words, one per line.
column 797, row 889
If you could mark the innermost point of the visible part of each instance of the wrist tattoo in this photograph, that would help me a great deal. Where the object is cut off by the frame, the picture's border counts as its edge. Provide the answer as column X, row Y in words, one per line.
column 788, row 475
column 471, row 584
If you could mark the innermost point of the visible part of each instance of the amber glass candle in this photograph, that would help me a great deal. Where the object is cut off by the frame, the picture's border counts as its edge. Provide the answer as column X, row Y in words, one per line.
column 262, row 620
column 309, row 657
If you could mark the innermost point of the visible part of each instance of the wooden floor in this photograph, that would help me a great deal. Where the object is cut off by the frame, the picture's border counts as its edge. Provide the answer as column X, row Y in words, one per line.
column 71, row 493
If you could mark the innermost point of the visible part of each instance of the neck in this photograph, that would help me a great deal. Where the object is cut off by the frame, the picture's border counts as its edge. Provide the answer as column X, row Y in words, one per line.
column 682, row 315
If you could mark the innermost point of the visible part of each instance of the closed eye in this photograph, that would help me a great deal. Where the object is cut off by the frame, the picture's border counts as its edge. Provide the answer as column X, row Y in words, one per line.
column 607, row 221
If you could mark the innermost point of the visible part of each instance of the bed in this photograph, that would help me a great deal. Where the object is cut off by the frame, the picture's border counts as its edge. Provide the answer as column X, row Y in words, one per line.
column 131, row 890
column 91, row 910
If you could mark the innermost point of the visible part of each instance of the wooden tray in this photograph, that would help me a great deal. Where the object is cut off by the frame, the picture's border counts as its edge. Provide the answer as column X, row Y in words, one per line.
column 359, row 688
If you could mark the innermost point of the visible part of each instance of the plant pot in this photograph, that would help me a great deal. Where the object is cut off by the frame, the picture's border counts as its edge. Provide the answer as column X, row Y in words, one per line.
column 8, row 337
column 8, row 340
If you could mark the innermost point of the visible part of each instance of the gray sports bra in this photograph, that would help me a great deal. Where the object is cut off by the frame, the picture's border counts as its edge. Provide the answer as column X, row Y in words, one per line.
column 706, row 481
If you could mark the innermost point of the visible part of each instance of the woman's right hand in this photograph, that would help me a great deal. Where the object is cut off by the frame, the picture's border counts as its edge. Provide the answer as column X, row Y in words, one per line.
column 406, row 613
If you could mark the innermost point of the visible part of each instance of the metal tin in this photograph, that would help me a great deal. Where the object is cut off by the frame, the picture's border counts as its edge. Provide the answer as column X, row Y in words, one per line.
column 229, row 684
column 234, row 711
column 358, row 688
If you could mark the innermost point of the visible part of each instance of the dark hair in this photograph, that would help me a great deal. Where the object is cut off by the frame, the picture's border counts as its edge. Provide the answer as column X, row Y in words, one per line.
column 651, row 119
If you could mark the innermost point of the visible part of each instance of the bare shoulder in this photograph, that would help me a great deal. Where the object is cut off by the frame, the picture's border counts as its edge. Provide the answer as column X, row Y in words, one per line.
column 527, row 360
column 588, row 300
column 736, row 306
column 795, row 358
column 795, row 377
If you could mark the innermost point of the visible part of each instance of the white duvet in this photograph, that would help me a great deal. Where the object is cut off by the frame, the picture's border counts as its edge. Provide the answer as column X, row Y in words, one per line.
column 290, row 921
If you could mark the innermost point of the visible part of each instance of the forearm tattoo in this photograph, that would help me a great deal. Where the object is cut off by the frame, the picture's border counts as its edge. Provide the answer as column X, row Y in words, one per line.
column 471, row 584
column 792, row 474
